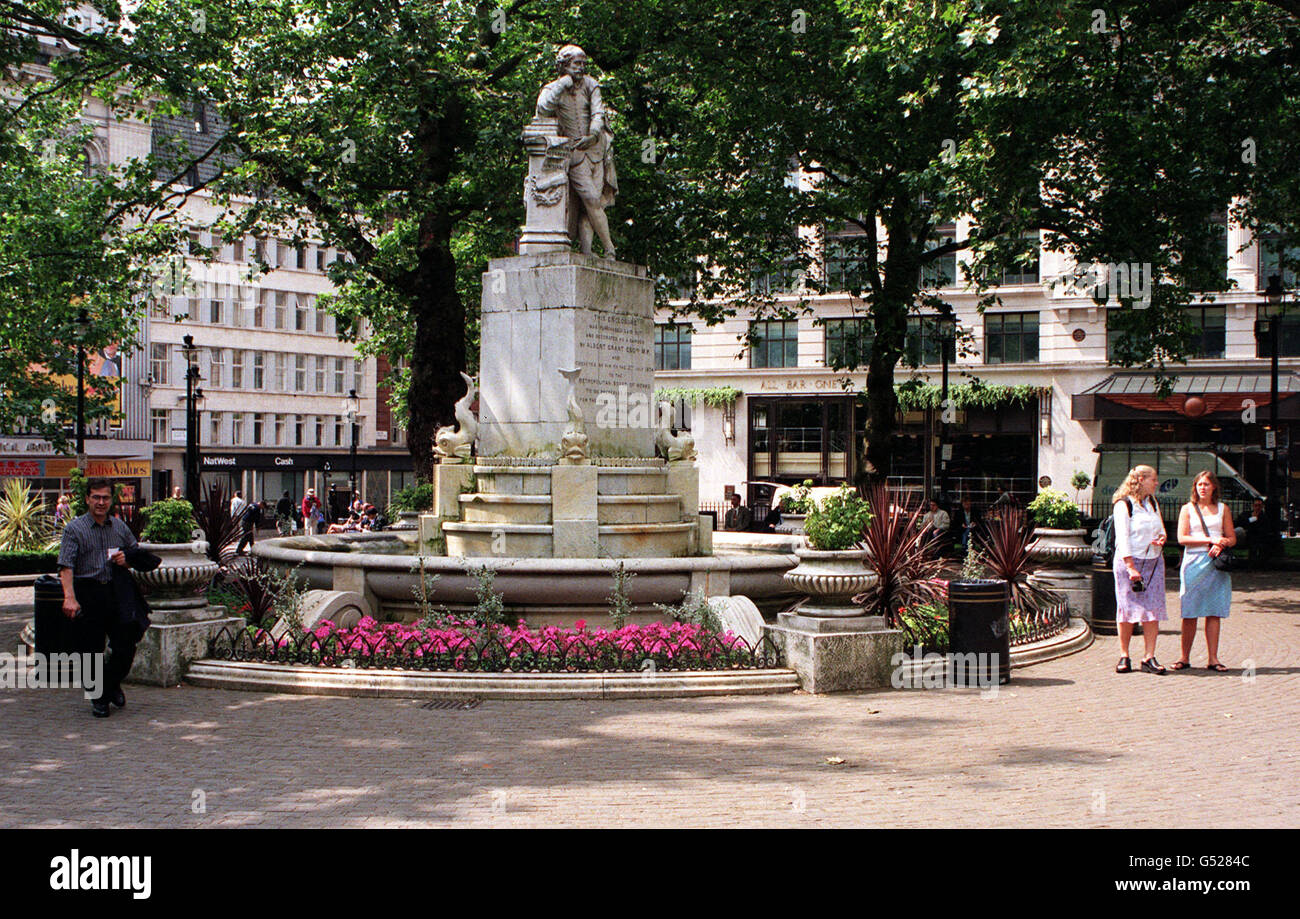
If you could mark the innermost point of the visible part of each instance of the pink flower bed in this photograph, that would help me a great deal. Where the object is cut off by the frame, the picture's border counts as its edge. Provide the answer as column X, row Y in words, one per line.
column 460, row 639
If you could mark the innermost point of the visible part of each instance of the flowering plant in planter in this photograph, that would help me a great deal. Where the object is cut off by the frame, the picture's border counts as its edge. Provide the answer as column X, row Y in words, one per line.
column 838, row 522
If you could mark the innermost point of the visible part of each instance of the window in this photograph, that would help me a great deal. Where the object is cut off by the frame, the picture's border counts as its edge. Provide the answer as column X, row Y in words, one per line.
column 338, row 431
column 278, row 373
column 300, row 315
column 1275, row 259
column 218, row 244
column 193, row 308
column 672, row 347
column 300, row 373
column 200, row 118
column 320, row 263
column 297, row 430
column 281, row 310
column 782, row 280
column 319, row 425
column 237, row 429
column 259, row 370
column 1024, row 269
column 942, row 272
column 338, row 375
column 257, row 429
column 921, row 346
column 160, row 363
column 300, row 258
column 159, row 425
column 845, row 262
column 259, row 310
column 238, row 314
column 357, row 378
column 195, row 242
column 217, row 366
column 320, row 317
column 236, row 369
column 848, row 343
column 214, row 427
column 215, row 308
column 237, row 250
column 1288, row 332
column 320, row 374
column 1010, row 338
column 1209, row 328
column 280, row 431
column 258, row 253
column 774, row 344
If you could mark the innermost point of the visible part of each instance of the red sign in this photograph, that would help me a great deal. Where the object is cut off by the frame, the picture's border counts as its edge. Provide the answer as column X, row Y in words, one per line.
column 30, row 468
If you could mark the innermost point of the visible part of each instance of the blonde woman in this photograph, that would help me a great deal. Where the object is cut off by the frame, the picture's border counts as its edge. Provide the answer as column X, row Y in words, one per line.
column 1204, row 530
column 1139, row 566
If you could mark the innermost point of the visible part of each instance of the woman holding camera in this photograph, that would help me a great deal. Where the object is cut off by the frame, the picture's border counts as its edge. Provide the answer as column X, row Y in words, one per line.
column 1139, row 565
column 1205, row 530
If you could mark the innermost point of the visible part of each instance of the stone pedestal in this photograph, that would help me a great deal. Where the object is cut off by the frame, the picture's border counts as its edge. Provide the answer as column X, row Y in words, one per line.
column 1073, row 584
column 575, row 529
column 838, row 654
column 558, row 311
column 176, row 638
column 546, row 190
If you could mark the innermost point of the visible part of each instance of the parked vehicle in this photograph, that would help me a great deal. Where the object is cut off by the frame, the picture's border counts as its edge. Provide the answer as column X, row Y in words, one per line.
column 1176, row 465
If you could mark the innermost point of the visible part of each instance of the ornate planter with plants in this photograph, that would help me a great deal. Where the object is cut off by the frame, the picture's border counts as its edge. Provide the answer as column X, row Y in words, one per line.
column 408, row 504
column 181, row 582
column 832, row 568
column 1061, row 543
column 794, row 507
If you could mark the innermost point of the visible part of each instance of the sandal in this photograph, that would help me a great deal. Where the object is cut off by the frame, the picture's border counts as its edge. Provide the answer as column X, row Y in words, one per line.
column 1125, row 665
column 1151, row 665
column 1179, row 665
column 1218, row 668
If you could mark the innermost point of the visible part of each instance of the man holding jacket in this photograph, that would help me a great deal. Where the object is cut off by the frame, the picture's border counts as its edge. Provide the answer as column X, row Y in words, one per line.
column 93, row 558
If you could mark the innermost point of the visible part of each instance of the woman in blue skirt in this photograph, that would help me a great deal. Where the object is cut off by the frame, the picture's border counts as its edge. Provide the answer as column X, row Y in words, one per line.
column 1205, row 530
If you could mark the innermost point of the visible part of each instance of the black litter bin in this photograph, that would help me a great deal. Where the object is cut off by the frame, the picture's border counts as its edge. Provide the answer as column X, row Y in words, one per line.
column 978, row 623
column 1103, row 596
column 55, row 632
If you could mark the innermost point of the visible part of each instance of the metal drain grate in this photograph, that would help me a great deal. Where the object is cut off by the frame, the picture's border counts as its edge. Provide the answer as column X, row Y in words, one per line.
column 453, row 705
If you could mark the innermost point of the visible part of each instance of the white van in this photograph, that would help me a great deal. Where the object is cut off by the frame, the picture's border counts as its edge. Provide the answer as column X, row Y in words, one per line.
column 1176, row 466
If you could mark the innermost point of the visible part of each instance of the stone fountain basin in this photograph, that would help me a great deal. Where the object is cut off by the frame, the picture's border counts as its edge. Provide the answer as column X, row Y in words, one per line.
column 383, row 568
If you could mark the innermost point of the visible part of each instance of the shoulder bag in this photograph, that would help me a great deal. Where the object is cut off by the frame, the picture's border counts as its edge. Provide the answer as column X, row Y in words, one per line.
column 1225, row 560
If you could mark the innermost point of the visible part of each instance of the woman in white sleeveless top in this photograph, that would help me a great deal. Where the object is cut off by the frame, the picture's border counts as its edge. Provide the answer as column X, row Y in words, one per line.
column 1204, row 529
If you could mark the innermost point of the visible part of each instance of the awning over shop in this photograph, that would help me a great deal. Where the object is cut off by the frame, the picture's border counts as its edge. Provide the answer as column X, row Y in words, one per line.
column 1133, row 396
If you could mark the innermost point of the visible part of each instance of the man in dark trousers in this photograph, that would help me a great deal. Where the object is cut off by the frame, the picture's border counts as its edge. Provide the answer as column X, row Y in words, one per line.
column 249, row 523
column 93, row 558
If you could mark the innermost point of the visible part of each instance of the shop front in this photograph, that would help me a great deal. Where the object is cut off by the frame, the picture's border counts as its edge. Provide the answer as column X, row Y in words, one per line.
column 49, row 474
column 268, row 476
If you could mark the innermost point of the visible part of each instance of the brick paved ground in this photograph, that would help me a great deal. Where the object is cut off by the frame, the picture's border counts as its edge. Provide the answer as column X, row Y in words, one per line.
column 1069, row 743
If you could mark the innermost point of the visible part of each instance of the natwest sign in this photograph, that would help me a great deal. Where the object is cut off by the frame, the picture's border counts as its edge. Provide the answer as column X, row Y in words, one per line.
column 233, row 461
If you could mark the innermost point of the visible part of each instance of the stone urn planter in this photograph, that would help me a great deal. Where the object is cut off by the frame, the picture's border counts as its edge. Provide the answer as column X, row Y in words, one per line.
column 407, row 520
column 181, row 582
column 791, row 523
column 1063, row 555
column 830, row 579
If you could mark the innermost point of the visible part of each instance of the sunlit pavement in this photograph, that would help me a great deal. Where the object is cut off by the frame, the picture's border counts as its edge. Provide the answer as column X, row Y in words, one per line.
column 1068, row 743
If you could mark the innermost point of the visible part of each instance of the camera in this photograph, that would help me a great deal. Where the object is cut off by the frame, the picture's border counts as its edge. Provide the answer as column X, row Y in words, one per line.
column 1138, row 586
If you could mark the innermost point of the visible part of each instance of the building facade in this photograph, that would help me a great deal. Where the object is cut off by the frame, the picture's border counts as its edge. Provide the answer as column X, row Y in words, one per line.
column 795, row 418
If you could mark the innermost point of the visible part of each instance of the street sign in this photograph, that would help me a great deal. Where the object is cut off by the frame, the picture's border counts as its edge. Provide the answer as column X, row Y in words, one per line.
column 1270, row 440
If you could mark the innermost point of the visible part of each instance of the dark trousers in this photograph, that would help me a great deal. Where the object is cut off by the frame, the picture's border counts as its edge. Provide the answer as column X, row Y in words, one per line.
column 245, row 539
column 104, row 617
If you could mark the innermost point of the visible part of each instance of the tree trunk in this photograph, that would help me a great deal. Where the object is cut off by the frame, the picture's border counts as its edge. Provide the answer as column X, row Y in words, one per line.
column 439, row 353
column 882, row 410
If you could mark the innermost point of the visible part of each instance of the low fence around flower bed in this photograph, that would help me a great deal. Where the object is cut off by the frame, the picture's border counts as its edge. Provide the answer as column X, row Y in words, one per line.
column 923, row 626
column 502, row 650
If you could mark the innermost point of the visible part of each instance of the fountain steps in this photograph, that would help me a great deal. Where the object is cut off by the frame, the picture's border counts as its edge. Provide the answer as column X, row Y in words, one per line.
column 530, row 540
column 536, row 509
column 536, row 480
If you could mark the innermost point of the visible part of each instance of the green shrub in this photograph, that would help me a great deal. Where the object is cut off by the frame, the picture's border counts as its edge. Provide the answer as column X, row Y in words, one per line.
column 413, row 498
column 620, row 601
column 798, row 500
column 1054, row 510
column 837, row 523
column 24, row 525
column 170, row 520
column 25, row 562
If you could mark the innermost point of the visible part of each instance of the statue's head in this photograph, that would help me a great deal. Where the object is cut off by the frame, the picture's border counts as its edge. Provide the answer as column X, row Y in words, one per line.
column 571, row 59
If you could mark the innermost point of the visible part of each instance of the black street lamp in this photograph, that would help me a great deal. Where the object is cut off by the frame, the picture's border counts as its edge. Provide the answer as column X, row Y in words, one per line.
column 353, row 409
column 1268, row 333
column 190, row 351
column 83, row 322
column 946, row 328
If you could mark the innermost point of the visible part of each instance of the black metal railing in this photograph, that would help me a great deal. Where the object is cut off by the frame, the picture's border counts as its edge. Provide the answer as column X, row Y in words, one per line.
column 1030, row 625
column 489, row 653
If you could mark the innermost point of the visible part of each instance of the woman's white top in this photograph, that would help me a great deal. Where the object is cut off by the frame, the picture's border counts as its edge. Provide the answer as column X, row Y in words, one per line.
column 1133, row 536
column 1213, row 522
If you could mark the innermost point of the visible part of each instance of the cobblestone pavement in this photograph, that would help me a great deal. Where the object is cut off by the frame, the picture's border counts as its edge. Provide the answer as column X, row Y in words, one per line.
column 1068, row 743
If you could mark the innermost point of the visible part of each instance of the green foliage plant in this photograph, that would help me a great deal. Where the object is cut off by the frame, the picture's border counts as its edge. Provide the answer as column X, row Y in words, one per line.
column 24, row 525
column 972, row 567
column 1053, row 509
column 430, row 617
column 713, row 396
column 620, row 601
column 412, row 498
column 839, row 521
column 489, row 606
column 170, row 520
column 1079, row 481
column 798, row 500
column 694, row 609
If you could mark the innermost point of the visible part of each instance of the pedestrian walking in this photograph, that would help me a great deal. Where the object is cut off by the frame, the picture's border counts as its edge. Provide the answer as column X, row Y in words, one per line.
column 237, row 505
column 94, row 554
column 1205, row 530
column 249, row 522
column 284, row 515
column 312, row 515
column 63, row 510
column 1139, row 566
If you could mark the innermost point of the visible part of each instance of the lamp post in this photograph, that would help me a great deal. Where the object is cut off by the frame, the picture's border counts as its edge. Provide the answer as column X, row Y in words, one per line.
column 352, row 409
column 1268, row 329
column 83, row 321
column 946, row 327
column 190, row 351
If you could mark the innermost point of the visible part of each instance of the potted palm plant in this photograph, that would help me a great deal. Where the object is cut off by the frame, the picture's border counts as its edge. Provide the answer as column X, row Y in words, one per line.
column 181, row 582
column 903, row 555
column 832, row 567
